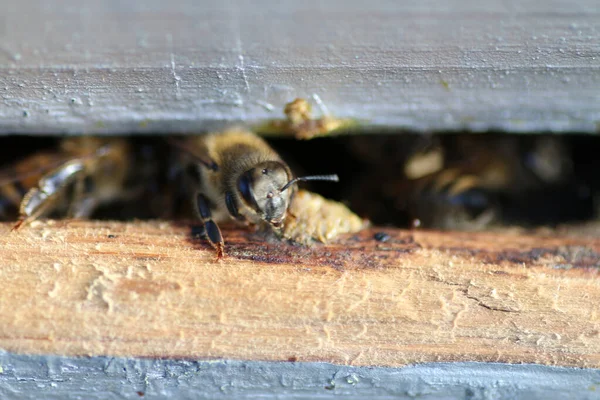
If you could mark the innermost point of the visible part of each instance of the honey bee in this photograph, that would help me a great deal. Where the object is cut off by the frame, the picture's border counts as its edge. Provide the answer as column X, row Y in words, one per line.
column 497, row 181
column 236, row 174
column 469, row 182
column 75, row 179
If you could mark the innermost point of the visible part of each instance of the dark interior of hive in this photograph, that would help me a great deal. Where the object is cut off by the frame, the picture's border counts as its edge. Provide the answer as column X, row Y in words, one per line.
column 448, row 181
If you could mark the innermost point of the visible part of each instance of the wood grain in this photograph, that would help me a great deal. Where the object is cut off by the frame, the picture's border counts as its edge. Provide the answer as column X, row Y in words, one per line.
column 149, row 289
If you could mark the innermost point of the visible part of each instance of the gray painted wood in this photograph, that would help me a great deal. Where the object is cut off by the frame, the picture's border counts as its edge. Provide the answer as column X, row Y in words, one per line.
column 153, row 66
column 49, row 377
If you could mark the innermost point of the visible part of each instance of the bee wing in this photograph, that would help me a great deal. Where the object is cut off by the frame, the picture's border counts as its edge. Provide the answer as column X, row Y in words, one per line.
column 198, row 152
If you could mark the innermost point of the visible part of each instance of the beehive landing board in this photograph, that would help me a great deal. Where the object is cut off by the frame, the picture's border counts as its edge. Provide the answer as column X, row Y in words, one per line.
column 152, row 290
column 154, row 66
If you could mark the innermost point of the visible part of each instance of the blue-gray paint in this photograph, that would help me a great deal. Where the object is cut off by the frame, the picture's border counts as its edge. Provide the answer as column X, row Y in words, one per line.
column 52, row 377
column 81, row 66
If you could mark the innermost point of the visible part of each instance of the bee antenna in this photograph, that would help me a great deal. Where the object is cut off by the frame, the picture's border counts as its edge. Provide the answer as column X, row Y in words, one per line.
column 331, row 178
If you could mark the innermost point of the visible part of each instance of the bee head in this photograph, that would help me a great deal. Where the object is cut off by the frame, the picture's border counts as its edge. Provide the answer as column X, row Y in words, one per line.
column 264, row 188
column 260, row 188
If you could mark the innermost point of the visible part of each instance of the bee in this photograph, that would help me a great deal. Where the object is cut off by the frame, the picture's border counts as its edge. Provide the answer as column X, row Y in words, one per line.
column 75, row 179
column 456, row 193
column 236, row 174
column 469, row 182
column 499, row 180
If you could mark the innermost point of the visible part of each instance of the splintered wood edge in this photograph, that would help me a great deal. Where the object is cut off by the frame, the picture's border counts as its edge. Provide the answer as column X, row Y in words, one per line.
column 382, row 297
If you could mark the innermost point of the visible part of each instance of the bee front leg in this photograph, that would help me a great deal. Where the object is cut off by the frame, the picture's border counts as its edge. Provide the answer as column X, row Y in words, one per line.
column 232, row 208
column 83, row 208
column 34, row 204
column 212, row 229
column 45, row 197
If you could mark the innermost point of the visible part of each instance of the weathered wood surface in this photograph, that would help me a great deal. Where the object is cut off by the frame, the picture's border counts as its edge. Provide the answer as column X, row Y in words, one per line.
column 154, row 66
column 151, row 290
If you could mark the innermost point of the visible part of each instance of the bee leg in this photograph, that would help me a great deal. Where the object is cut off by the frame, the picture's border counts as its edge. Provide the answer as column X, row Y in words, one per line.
column 51, row 187
column 34, row 204
column 212, row 229
column 232, row 207
column 83, row 208
column 77, row 200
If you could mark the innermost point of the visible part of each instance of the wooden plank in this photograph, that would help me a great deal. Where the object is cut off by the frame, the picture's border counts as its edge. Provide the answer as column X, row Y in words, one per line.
column 154, row 66
column 149, row 289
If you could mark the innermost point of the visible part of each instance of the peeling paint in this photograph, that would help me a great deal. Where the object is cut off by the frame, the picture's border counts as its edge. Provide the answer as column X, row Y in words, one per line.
column 52, row 377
